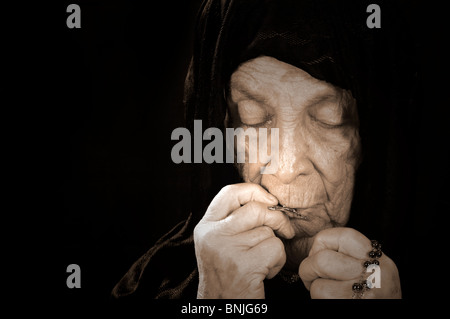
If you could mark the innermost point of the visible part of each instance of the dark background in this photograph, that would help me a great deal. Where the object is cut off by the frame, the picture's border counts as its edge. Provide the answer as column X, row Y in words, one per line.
column 113, row 94
column 119, row 94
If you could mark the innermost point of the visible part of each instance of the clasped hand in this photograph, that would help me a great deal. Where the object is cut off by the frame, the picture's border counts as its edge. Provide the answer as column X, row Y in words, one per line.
column 238, row 245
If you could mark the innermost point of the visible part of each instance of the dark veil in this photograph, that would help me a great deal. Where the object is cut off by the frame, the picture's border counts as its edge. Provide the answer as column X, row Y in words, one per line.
column 331, row 41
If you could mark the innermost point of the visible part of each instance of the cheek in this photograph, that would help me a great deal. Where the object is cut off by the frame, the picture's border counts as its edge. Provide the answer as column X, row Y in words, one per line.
column 258, row 145
column 250, row 171
column 340, row 200
column 335, row 154
column 336, row 158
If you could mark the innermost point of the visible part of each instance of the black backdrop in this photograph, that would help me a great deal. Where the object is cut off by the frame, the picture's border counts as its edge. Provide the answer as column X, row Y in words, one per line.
column 113, row 93
column 119, row 82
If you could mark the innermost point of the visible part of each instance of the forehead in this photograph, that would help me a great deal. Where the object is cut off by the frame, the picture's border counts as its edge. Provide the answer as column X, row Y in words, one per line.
column 267, row 78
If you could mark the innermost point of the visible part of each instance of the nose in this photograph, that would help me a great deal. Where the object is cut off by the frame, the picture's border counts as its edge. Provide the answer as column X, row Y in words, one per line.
column 293, row 159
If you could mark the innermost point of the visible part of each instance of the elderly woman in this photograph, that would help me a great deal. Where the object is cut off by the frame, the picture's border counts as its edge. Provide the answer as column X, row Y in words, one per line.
column 311, row 69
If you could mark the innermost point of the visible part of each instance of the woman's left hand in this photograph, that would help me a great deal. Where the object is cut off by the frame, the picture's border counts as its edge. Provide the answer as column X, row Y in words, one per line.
column 336, row 262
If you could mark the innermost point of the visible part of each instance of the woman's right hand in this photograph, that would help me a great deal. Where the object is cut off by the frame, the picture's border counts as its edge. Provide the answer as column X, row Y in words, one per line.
column 235, row 243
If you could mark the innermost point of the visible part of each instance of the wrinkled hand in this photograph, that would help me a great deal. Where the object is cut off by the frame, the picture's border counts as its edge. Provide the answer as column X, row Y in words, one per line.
column 235, row 243
column 336, row 262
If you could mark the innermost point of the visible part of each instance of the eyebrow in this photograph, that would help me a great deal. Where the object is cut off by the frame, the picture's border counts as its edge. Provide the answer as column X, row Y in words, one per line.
column 320, row 98
column 264, row 99
column 251, row 94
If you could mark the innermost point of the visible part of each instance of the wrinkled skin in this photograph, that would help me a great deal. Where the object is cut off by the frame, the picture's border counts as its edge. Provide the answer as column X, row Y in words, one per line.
column 239, row 242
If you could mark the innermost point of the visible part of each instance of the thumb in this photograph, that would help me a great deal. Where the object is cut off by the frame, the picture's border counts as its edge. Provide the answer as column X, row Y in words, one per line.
column 232, row 197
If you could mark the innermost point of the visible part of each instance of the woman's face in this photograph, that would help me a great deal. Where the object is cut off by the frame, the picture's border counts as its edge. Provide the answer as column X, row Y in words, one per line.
column 318, row 139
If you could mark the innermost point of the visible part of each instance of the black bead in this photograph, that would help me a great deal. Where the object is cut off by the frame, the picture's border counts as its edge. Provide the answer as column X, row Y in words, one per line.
column 372, row 254
column 376, row 245
column 357, row 287
column 367, row 263
column 376, row 262
column 378, row 253
column 367, row 285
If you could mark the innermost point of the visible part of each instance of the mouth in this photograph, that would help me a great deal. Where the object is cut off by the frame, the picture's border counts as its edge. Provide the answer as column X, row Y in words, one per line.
column 306, row 221
column 295, row 213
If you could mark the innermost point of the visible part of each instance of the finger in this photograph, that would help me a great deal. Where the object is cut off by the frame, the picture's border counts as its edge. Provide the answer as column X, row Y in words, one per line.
column 268, row 256
column 342, row 239
column 329, row 264
column 255, row 214
column 254, row 236
column 331, row 289
column 231, row 197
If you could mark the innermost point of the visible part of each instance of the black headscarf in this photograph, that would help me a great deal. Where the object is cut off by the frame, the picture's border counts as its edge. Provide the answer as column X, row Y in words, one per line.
column 332, row 42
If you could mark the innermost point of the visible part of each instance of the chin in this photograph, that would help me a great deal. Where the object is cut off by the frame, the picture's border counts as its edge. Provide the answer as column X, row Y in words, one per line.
column 312, row 221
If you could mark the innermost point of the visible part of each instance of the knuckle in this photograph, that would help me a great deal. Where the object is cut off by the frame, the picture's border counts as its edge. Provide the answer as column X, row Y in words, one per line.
column 203, row 233
column 267, row 231
column 352, row 233
column 226, row 188
column 356, row 236
column 317, row 289
column 233, row 187
column 319, row 237
column 275, row 243
column 254, row 187
column 303, row 268
column 197, row 231
column 320, row 289
column 252, row 206
column 277, row 248
column 253, row 209
column 323, row 259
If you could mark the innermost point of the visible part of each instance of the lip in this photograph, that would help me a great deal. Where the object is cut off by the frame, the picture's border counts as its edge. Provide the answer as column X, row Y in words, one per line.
column 297, row 213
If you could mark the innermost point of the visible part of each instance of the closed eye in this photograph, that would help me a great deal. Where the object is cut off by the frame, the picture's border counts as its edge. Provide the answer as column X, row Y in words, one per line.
column 266, row 122
column 328, row 115
column 252, row 114
column 327, row 124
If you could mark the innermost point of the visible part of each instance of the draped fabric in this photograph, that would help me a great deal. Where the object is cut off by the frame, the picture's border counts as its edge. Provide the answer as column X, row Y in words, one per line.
column 331, row 41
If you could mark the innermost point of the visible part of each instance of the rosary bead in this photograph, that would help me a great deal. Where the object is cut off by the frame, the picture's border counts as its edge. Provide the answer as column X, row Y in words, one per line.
column 376, row 244
column 357, row 287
